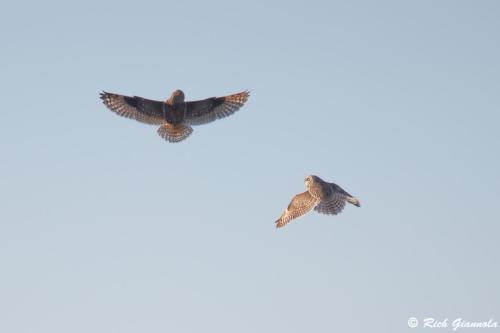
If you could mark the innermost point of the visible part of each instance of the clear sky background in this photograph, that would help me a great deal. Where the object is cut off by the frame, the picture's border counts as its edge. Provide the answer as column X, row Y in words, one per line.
column 105, row 227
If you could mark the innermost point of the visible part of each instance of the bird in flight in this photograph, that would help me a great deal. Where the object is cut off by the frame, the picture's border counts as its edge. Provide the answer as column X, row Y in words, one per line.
column 175, row 116
column 323, row 197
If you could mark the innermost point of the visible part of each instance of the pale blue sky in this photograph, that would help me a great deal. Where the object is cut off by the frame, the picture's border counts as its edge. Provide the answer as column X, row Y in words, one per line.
column 107, row 228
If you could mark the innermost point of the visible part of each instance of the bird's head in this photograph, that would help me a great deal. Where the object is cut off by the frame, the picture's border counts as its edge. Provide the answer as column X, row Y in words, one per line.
column 311, row 179
column 176, row 97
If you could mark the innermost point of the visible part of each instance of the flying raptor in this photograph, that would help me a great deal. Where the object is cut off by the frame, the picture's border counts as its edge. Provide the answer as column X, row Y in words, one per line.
column 175, row 116
column 323, row 197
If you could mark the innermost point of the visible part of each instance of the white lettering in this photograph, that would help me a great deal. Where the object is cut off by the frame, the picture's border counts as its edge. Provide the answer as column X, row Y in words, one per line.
column 460, row 323
column 433, row 323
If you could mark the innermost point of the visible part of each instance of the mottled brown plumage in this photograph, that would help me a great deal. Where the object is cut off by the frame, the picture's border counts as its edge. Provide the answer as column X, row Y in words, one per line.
column 174, row 115
column 323, row 197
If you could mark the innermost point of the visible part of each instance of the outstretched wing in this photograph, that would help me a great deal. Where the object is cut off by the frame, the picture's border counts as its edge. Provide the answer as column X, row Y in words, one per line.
column 138, row 108
column 334, row 204
column 211, row 109
column 300, row 205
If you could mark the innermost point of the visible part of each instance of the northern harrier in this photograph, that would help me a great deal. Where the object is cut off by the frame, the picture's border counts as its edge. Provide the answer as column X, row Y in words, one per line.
column 326, row 198
column 175, row 116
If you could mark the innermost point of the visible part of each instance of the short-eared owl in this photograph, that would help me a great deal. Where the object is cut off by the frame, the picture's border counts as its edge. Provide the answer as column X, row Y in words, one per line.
column 326, row 198
column 175, row 116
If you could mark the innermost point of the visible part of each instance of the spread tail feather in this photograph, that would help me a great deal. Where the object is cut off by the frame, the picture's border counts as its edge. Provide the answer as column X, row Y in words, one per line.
column 174, row 133
column 353, row 201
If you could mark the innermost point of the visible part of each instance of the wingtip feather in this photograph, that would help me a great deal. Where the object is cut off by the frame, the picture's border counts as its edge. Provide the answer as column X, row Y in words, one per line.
column 103, row 95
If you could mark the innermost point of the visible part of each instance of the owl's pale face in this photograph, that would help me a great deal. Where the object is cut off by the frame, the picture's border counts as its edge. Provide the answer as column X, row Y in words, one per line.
column 308, row 181
column 311, row 180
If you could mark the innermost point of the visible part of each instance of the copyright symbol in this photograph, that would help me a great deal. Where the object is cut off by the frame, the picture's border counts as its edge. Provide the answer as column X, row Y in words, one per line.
column 412, row 322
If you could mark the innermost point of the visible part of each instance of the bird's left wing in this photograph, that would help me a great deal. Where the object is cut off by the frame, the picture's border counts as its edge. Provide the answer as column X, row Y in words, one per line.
column 210, row 109
column 138, row 108
column 333, row 204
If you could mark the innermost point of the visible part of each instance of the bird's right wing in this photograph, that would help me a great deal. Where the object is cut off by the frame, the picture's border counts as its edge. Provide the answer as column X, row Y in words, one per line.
column 300, row 205
column 138, row 108
column 211, row 109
